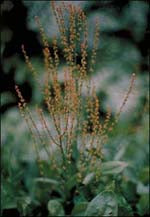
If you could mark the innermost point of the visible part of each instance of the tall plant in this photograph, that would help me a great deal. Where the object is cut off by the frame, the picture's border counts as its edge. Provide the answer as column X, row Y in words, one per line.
column 73, row 134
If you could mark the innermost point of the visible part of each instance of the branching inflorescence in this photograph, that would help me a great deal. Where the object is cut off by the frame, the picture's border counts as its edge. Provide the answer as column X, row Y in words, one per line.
column 75, row 120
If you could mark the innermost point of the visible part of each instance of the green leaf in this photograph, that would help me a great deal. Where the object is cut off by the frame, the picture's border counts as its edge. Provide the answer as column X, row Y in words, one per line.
column 72, row 181
column 104, row 204
column 79, row 198
column 23, row 204
column 129, row 190
column 55, row 208
column 46, row 180
column 9, row 205
column 75, row 153
column 79, row 209
column 120, row 152
column 111, row 186
column 88, row 178
column 143, row 205
column 144, row 175
column 113, row 167
column 124, row 209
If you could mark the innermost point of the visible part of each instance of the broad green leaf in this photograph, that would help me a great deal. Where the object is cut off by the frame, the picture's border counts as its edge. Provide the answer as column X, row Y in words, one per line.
column 124, row 208
column 55, row 208
column 113, row 167
column 46, row 180
column 88, row 178
column 129, row 190
column 143, row 205
column 120, row 152
column 79, row 209
column 104, row 204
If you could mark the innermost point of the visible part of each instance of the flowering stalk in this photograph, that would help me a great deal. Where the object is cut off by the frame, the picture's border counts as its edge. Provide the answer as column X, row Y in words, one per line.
column 66, row 106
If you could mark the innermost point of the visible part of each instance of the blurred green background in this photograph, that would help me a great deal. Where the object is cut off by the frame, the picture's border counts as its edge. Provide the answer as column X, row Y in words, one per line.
column 123, row 50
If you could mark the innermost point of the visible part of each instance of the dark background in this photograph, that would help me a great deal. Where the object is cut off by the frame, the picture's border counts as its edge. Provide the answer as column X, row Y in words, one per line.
column 15, row 31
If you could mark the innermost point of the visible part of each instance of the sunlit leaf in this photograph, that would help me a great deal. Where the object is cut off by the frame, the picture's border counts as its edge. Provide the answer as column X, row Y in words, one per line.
column 88, row 178
column 113, row 167
column 46, row 180
column 104, row 204
column 55, row 208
